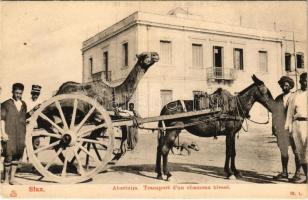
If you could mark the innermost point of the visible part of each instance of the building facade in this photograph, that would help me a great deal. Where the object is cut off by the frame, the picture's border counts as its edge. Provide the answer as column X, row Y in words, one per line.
column 195, row 55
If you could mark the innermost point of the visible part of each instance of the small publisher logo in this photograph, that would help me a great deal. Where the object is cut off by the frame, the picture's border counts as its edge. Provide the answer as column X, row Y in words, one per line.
column 13, row 193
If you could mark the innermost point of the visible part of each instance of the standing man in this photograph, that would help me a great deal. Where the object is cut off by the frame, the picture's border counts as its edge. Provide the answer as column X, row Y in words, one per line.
column 132, row 137
column 34, row 102
column 13, row 125
column 296, row 122
column 284, row 139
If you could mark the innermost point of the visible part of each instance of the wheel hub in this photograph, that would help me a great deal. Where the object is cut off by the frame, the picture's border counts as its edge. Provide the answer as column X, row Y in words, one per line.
column 69, row 139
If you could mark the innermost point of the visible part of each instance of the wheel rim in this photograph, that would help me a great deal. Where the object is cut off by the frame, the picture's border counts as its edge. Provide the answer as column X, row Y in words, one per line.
column 78, row 145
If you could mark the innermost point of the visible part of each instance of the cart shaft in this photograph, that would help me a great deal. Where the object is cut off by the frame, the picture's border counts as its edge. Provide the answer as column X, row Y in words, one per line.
column 191, row 114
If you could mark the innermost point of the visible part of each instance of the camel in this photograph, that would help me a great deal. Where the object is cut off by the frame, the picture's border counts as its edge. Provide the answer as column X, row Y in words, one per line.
column 109, row 96
column 113, row 96
column 237, row 110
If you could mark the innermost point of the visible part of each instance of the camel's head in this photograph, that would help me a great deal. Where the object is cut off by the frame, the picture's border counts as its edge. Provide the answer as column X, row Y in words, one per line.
column 262, row 94
column 147, row 59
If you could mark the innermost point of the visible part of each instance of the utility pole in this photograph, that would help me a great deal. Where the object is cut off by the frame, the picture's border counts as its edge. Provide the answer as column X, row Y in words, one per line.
column 295, row 61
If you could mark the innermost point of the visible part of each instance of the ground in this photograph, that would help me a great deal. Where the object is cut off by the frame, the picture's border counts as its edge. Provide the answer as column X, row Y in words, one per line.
column 258, row 159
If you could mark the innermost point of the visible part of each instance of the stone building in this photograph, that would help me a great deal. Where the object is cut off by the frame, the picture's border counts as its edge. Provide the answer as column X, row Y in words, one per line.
column 195, row 55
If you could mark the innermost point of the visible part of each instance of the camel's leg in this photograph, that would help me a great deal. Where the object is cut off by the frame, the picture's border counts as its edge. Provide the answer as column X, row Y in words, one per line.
column 228, row 156
column 123, row 140
column 159, row 155
column 233, row 155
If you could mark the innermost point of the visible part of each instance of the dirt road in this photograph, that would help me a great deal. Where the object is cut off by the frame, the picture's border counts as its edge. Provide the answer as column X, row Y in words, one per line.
column 258, row 158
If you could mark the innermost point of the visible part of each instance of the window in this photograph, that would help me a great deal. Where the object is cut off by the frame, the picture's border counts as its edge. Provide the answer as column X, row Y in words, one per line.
column 238, row 59
column 263, row 61
column 287, row 62
column 166, row 97
column 197, row 55
column 217, row 52
column 166, row 52
column 299, row 60
column 125, row 54
column 91, row 65
column 106, row 65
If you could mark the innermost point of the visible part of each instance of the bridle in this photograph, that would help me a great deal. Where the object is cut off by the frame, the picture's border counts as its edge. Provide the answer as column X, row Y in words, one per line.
column 239, row 106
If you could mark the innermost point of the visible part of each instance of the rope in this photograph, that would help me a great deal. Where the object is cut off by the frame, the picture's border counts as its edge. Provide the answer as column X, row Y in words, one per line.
column 266, row 122
column 246, row 130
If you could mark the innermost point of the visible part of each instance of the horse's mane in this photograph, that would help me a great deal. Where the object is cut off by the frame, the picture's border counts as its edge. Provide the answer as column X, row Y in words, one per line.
column 246, row 89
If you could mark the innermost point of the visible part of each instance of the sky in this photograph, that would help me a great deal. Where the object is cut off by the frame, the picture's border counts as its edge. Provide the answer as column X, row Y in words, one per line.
column 41, row 41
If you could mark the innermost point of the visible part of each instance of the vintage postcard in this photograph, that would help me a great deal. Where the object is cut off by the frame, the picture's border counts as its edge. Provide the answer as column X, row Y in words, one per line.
column 153, row 99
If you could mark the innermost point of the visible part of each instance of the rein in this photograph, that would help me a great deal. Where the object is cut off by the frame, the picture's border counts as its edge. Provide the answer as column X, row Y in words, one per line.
column 246, row 118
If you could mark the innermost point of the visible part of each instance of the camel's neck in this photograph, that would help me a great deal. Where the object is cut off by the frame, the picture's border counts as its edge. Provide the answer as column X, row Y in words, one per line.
column 125, row 91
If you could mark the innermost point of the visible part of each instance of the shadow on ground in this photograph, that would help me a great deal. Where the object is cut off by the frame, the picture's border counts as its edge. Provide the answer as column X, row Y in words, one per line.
column 212, row 171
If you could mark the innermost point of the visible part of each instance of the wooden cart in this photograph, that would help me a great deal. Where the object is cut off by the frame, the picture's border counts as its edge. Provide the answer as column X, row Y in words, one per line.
column 75, row 148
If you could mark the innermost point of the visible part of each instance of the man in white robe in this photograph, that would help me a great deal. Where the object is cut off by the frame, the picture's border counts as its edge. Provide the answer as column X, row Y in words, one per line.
column 296, row 121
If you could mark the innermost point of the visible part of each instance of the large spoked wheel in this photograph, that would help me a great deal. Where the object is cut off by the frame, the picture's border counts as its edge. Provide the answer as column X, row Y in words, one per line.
column 76, row 138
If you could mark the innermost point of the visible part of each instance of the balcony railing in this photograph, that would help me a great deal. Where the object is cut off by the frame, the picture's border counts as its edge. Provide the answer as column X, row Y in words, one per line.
column 218, row 73
column 99, row 75
column 107, row 76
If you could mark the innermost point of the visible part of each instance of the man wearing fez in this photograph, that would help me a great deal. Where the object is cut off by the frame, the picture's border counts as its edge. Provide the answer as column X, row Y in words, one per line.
column 284, row 139
column 13, row 129
column 33, row 103
column 296, row 122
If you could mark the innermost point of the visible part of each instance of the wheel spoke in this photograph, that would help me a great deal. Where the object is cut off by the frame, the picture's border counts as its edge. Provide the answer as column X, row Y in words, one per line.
column 87, row 156
column 65, row 164
column 53, row 159
column 84, row 119
column 46, row 134
column 48, row 146
column 51, row 122
column 61, row 114
column 79, row 162
column 87, row 132
column 96, row 151
column 91, row 141
column 87, row 152
column 74, row 114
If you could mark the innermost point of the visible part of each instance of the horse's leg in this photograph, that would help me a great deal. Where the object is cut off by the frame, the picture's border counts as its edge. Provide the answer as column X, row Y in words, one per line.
column 233, row 155
column 165, row 167
column 159, row 155
column 228, row 152
column 167, row 145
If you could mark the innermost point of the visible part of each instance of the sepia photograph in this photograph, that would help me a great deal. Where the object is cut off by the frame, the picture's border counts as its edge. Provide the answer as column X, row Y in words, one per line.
column 153, row 99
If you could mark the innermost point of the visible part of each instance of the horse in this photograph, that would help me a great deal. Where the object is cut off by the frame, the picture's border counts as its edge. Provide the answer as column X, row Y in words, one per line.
column 235, row 114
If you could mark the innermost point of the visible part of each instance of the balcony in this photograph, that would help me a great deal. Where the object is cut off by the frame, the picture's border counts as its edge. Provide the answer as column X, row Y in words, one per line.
column 218, row 73
column 98, row 76
column 107, row 75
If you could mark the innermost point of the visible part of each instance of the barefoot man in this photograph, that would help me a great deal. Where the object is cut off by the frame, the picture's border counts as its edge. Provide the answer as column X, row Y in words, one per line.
column 13, row 129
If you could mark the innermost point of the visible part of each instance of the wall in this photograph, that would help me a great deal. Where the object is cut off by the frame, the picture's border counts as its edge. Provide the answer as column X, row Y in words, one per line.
column 183, row 79
column 114, row 48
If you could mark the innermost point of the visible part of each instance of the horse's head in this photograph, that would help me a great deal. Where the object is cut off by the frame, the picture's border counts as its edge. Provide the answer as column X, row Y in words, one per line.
column 147, row 59
column 262, row 93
